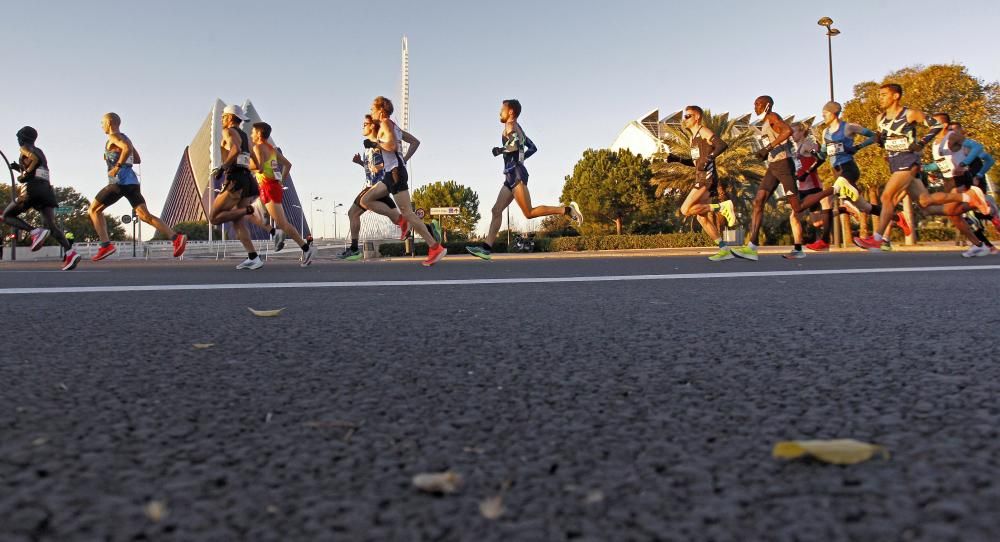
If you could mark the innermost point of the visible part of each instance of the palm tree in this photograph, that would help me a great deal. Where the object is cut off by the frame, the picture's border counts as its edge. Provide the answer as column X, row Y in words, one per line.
column 738, row 168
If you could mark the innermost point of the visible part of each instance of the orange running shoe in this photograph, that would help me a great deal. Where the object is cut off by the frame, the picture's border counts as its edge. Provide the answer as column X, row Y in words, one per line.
column 902, row 223
column 404, row 228
column 435, row 254
column 819, row 246
column 104, row 252
column 180, row 243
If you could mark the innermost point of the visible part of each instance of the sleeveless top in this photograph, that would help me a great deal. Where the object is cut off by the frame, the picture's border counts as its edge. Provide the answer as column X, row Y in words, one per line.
column 805, row 161
column 126, row 175
column 42, row 171
column 897, row 133
column 270, row 170
column 372, row 158
column 780, row 152
column 243, row 158
column 392, row 160
column 838, row 144
column 945, row 158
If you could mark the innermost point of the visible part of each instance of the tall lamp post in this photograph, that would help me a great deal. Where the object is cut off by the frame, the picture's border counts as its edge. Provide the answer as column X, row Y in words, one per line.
column 312, row 213
column 13, row 196
column 842, row 233
column 302, row 219
column 335, row 205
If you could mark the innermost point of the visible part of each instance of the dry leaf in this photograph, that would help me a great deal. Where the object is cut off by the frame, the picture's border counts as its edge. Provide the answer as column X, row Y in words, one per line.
column 156, row 511
column 838, row 452
column 40, row 441
column 267, row 419
column 202, row 346
column 492, row 508
column 266, row 314
column 594, row 497
column 441, row 482
column 63, row 387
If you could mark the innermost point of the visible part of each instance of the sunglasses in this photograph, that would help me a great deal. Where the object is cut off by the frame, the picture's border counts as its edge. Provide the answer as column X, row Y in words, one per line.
column 688, row 115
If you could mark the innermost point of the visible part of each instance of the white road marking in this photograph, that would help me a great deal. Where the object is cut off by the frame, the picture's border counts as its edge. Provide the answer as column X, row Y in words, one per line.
column 472, row 282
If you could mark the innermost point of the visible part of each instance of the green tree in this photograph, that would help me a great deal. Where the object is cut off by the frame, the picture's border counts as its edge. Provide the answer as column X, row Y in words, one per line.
column 451, row 194
column 613, row 189
column 77, row 221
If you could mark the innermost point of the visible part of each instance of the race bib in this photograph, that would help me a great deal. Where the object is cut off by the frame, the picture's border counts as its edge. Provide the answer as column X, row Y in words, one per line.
column 695, row 153
column 42, row 174
column 833, row 149
column 945, row 166
column 764, row 141
column 243, row 160
column 897, row 144
column 276, row 168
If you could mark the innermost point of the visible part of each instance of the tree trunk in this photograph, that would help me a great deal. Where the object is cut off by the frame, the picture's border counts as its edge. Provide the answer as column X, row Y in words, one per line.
column 618, row 225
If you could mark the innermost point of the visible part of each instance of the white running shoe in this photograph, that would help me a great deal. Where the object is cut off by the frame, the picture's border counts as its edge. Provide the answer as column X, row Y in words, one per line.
column 38, row 237
column 255, row 263
column 575, row 213
column 307, row 256
column 976, row 252
column 794, row 255
column 279, row 239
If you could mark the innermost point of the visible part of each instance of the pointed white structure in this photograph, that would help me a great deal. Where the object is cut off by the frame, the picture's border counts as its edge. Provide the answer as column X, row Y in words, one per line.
column 192, row 192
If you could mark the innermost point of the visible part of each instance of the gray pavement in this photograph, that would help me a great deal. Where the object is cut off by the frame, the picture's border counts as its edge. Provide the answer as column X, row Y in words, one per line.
column 599, row 410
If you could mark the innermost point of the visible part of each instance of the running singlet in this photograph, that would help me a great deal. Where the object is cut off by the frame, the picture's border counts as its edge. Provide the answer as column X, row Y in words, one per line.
column 372, row 158
column 392, row 160
column 838, row 145
column 42, row 171
column 897, row 133
column 270, row 170
column 802, row 164
column 946, row 159
column 778, row 153
column 243, row 158
column 701, row 149
column 516, row 148
column 126, row 175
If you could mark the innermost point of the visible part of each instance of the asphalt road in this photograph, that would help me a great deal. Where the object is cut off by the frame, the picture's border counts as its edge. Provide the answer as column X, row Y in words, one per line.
column 597, row 409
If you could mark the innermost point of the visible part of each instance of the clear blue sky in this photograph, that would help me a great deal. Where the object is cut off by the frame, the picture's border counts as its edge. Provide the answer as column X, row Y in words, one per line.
column 582, row 72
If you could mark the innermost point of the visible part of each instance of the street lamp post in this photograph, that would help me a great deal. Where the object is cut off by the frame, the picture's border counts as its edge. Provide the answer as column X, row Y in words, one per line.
column 312, row 213
column 302, row 219
column 827, row 23
column 335, row 205
column 13, row 196
column 843, row 232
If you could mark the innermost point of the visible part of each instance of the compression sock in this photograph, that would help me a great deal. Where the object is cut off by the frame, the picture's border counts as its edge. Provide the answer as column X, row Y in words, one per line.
column 251, row 255
column 105, row 243
column 489, row 247
column 273, row 229
column 354, row 245
column 982, row 237
column 827, row 225
column 721, row 243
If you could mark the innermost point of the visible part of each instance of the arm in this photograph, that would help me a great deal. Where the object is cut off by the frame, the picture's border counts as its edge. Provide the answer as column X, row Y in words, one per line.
column 718, row 146
column 232, row 145
column 286, row 166
column 975, row 150
column 855, row 129
column 987, row 164
column 530, row 147
column 126, row 149
column 31, row 162
column 934, row 128
column 413, row 143
column 782, row 128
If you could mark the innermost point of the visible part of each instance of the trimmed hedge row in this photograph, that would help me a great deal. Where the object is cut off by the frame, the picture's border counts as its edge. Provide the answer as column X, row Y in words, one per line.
column 626, row 242
column 393, row 250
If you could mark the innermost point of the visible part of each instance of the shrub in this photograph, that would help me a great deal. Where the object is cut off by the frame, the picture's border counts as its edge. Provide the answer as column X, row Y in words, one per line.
column 626, row 242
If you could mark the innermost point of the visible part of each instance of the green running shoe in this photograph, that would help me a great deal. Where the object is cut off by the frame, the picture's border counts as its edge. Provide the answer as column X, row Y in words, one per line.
column 886, row 246
column 350, row 255
column 722, row 255
column 479, row 252
column 745, row 253
column 727, row 212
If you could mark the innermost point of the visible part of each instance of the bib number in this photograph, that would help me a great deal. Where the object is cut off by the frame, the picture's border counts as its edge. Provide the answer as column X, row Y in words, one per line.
column 945, row 166
column 243, row 160
column 42, row 174
column 276, row 168
column 695, row 153
column 833, row 149
column 897, row 144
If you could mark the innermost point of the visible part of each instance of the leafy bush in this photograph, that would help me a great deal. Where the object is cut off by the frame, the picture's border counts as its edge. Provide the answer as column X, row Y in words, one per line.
column 625, row 242
column 458, row 247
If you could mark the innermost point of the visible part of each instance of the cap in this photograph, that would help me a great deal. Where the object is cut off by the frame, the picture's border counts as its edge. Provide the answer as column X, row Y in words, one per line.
column 234, row 110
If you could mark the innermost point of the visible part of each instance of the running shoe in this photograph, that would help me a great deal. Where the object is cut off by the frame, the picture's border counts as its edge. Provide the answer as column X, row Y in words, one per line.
column 70, row 261
column 886, row 246
column 728, row 212
column 745, row 253
column 994, row 250
column 794, row 255
column 104, row 252
column 977, row 200
column 307, row 256
column 435, row 230
column 902, row 223
column 845, row 190
column 976, row 252
column 868, row 243
column 435, row 254
column 255, row 263
column 479, row 252
column 38, row 237
column 279, row 239
column 575, row 213
column 350, row 255
column 404, row 228
column 850, row 209
column 819, row 246
column 180, row 243
column 724, row 253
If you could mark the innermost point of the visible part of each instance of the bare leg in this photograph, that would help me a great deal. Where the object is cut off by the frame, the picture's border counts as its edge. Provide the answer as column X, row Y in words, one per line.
column 354, row 216
column 898, row 183
column 523, row 198
column 370, row 201
column 227, row 208
column 504, row 200
column 277, row 212
column 96, row 213
column 697, row 204
column 406, row 209
column 796, row 228
column 144, row 215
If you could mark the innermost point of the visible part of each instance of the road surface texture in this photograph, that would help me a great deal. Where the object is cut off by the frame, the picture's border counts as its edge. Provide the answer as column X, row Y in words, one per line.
column 599, row 398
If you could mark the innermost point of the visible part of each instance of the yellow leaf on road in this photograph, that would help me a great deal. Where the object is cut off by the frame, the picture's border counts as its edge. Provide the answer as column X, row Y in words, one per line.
column 491, row 508
column 266, row 314
column 202, row 346
column 838, row 451
column 441, row 482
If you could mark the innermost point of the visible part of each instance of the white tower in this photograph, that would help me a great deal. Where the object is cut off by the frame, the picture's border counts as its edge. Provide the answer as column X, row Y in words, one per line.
column 404, row 91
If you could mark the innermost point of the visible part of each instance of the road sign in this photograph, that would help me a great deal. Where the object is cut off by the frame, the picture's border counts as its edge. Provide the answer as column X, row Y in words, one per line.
column 126, row 219
column 447, row 211
column 64, row 210
column 420, row 213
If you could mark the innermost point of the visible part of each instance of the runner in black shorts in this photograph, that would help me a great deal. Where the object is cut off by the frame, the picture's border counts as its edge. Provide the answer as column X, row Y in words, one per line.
column 776, row 150
column 37, row 195
column 240, row 188
column 120, row 155
column 804, row 151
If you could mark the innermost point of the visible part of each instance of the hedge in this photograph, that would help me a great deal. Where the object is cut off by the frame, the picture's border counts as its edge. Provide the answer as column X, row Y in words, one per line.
column 625, row 242
column 458, row 247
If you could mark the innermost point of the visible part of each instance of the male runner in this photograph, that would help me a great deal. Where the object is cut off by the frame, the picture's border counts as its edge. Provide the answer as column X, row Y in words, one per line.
column 394, row 179
column 705, row 148
column 371, row 161
column 897, row 133
column 272, row 168
column 516, row 148
column 38, row 195
column 120, row 155
column 805, row 152
column 240, row 189
column 776, row 150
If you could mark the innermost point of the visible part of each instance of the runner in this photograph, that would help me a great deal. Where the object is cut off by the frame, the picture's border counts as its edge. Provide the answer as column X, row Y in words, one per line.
column 271, row 172
column 516, row 148
column 776, row 150
column 240, row 189
column 394, row 179
column 705, row 148
column 820, row 213
column 371, row 161
column 897, row 133
column 37, row 195
column 120, row 155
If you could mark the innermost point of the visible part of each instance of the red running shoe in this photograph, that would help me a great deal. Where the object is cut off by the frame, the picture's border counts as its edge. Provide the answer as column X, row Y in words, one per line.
column 70, row 261
column 819, row 246
column 435, row 254
column 38, row 236
column 104, row 252
column 868, row 243
column 180, row 243
column 404, row 228
column 996, row 221
column 902, row 223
